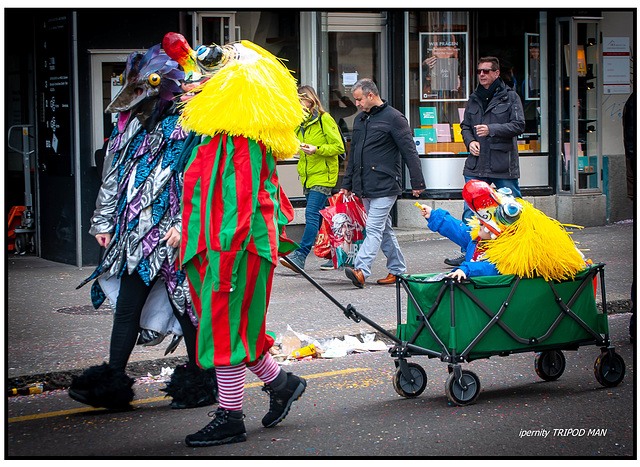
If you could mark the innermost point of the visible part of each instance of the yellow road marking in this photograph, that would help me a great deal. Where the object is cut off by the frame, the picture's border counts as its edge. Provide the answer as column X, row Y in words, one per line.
column 161, row 398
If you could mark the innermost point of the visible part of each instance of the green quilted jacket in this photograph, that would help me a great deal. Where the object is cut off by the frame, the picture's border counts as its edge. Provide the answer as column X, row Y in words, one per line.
column 320, row 168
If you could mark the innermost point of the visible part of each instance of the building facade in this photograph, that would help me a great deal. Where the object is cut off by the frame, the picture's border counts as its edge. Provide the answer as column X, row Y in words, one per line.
column 572, row 69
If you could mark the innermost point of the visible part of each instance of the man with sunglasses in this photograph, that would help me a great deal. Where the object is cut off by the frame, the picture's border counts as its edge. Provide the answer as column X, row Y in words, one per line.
column 493, row 119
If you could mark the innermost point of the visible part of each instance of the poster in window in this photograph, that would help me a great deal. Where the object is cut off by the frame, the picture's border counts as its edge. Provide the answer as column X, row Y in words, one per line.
column 532, row 66
column 443, row 74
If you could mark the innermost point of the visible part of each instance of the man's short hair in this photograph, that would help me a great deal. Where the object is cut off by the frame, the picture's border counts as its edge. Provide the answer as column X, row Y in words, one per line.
column 495, row 63
column 366, row 85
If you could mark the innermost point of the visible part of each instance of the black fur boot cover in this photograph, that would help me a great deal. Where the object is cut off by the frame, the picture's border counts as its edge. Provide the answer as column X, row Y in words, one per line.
column 191, row 386
column 102, row 386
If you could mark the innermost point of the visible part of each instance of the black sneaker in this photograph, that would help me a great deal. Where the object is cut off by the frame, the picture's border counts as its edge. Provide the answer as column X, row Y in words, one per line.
column 455, row 261
column 281, row 400
column 226, row 427
column 328, row 266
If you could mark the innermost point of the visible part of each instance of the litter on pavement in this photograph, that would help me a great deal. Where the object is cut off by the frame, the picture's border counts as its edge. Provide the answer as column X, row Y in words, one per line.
column 292, row 342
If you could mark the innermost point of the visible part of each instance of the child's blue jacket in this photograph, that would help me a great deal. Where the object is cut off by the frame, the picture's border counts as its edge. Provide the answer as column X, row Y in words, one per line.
column 457, row 231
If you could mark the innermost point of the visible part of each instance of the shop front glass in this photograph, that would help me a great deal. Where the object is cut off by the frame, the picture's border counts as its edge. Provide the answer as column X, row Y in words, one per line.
column 444, row 48
column 276, row 31
column 579, row 149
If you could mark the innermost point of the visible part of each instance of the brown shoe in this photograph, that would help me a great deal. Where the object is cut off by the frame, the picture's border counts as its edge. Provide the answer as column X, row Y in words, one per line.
column 390, row 279
column 356, row 276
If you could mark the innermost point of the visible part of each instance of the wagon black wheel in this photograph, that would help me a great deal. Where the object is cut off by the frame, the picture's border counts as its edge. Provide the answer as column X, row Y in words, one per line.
column 550, row 364
column 463, row 391
column 609, row 369
column 410, row 387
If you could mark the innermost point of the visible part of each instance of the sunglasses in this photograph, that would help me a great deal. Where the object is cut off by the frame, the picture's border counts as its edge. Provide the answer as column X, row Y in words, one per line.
column 485, row 71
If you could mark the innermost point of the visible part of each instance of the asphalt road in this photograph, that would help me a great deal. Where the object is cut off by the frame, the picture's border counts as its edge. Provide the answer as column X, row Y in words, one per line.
column 350, row 409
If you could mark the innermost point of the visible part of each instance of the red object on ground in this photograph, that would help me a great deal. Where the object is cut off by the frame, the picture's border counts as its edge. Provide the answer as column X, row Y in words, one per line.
column 15, row 219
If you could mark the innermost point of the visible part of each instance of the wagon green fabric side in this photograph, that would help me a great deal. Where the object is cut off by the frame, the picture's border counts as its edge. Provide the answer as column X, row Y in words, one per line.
column 530, row 314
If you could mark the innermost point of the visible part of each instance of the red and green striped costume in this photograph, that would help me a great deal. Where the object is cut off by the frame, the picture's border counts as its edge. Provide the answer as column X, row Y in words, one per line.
column 233, row 215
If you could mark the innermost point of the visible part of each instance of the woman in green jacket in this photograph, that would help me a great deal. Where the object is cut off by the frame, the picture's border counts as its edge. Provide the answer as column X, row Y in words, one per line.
column 320, row 146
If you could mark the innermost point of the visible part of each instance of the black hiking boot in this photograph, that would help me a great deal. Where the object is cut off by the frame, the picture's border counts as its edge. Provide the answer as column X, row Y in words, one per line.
column 282, row 398
column 457, row 261
column 226, row 427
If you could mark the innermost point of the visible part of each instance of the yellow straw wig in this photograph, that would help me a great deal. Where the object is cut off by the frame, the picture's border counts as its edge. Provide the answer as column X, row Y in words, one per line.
column 535, row 245
column 253, row 95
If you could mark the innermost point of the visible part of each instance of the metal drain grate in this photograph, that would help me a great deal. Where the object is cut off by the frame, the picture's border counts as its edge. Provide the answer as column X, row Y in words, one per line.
column 86, row 310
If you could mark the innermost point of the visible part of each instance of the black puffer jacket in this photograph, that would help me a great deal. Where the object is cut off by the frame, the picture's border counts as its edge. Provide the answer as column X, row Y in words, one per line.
column 499, row 151
column 381, row 140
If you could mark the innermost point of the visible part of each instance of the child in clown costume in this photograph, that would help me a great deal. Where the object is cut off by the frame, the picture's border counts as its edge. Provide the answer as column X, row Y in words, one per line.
column 460, row 233
column 243, row 110
column 506, row 236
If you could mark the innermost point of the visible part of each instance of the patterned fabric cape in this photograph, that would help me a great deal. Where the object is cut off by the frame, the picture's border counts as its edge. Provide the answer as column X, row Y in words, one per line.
column 138, row 202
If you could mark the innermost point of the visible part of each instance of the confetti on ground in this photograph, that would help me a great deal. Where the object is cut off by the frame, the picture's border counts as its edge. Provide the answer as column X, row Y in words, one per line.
column 164, row 376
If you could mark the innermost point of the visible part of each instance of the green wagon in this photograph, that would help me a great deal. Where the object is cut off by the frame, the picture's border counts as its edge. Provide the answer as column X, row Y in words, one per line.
column 500, row 315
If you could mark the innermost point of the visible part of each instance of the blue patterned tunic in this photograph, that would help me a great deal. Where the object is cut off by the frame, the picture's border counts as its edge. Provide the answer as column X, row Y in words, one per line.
column 138, row 202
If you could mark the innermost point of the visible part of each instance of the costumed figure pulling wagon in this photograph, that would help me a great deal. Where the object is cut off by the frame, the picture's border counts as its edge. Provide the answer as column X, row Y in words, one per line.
column 242, row 110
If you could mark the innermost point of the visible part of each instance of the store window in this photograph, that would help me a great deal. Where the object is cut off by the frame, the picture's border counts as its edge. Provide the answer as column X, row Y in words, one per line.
column 276, row 31
column 217, row 28
column 578, row 106
column 106, row 68
column 444, row 48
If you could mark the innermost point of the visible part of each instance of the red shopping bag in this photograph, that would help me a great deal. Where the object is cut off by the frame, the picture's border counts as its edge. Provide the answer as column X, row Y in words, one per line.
column 347, row 221
column 322, row 246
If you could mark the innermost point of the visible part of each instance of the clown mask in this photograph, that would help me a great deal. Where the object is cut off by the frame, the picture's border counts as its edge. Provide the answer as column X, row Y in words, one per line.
column 495, row 210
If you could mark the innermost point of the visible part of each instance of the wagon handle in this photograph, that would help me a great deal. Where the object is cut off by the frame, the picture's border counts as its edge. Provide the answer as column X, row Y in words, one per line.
column 349, row 311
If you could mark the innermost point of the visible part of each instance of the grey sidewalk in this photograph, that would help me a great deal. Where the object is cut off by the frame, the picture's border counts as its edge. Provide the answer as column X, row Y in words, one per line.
column 53, row 332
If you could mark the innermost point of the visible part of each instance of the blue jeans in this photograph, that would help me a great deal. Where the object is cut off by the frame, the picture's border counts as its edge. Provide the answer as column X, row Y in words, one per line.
column 315, row 204
column 379, row 235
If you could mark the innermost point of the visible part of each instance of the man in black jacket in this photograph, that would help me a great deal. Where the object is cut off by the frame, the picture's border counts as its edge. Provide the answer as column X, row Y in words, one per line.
column 381, row 140
column 493, row 119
